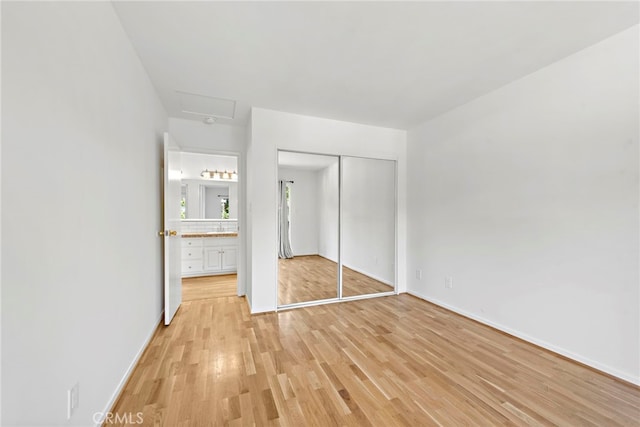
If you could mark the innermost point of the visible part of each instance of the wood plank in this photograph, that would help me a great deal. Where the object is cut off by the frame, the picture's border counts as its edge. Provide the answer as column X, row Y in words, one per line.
column 385, row 361
column 205, row 287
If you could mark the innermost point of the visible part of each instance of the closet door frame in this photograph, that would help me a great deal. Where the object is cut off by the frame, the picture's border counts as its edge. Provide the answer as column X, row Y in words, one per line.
column 339, row 276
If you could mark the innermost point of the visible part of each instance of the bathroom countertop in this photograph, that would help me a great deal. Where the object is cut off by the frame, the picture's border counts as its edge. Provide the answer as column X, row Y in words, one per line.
column 211, row 234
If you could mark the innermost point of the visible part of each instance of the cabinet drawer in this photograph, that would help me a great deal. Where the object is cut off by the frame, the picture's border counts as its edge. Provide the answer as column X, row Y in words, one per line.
column 193, row 266
column 191, row 253
column 191, row 243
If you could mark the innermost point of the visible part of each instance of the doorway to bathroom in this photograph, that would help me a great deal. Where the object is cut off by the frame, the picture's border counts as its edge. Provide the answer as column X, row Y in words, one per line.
column 210, row 233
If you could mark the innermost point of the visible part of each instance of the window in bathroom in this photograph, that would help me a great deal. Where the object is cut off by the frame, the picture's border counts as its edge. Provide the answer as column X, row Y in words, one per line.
column 183, row 202
column 225, row 208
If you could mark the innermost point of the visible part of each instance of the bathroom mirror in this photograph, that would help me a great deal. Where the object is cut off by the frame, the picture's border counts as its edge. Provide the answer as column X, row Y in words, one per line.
column 308, row 231
column 209, row 200
column 209, row 186
column 368, row 226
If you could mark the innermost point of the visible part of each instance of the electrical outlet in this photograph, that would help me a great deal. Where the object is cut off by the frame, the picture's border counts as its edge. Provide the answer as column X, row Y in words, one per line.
column 73, row 399
column 419, row 274
column 448, row 282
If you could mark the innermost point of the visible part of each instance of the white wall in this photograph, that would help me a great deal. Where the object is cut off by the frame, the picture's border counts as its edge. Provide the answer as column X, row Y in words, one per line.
column 528, row 198
column 368, row 217
column 329, row 211
column 304, row 210
column 81, row 279
column 271, row 130
column 196, row 136
column 247, row 217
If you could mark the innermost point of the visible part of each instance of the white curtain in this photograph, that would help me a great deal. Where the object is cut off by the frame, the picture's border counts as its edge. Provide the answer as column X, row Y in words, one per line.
column 284, row 242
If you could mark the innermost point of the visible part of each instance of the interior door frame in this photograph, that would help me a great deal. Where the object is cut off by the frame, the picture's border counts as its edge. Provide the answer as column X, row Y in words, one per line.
column 339, row 297
column 241, row 288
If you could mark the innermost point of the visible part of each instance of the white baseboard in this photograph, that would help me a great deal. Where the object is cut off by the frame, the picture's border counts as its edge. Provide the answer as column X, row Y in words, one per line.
column 129, row 370
column 559, row 350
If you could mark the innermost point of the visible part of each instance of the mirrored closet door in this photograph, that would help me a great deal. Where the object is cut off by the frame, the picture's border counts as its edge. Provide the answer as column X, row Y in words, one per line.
column 368, row 226
column 308, row 233
column 336, row 227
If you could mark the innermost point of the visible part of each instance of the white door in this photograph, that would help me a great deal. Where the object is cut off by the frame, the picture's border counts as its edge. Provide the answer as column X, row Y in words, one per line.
column 172, row 253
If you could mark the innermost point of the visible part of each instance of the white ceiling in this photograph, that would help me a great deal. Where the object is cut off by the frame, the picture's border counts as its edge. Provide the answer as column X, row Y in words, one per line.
column 392, row 64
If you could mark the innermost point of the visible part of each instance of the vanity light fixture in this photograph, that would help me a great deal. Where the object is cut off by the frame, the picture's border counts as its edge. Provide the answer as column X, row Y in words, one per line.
column 219, row 176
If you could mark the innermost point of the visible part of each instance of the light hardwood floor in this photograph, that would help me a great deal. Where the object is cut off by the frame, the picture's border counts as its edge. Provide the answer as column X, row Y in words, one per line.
column 379, row 362
column 196, row 288
column 312, row 277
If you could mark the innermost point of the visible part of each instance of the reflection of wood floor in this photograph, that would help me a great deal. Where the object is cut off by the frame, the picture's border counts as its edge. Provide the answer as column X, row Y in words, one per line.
column 354, row 283
column 306, row 278
column 312, row 277
column 394, row 361
column 196, row 288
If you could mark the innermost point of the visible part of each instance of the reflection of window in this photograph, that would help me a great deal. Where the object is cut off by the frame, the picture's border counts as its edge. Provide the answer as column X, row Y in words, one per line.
column 183, row 202
column 287, row 191
column 225, row 208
